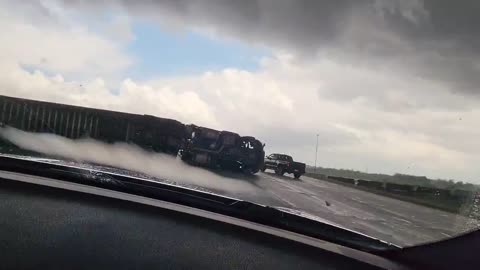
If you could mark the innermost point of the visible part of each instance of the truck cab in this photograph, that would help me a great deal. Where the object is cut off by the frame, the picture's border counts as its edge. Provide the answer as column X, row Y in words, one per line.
column 222, row 149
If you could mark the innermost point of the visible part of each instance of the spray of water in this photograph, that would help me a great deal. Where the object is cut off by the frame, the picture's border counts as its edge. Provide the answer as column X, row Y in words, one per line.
column 125, row 156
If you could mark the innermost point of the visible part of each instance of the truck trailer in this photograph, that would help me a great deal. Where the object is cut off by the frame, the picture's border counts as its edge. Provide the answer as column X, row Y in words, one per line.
column 199, row 146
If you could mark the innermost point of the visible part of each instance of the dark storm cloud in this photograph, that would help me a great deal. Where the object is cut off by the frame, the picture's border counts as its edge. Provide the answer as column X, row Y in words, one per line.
column 299, row 25
column 434, row 39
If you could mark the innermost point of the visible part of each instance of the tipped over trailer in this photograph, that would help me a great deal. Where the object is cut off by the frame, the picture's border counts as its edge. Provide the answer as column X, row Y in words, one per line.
column 199, row 146
column 222, row 149
column 75, row 122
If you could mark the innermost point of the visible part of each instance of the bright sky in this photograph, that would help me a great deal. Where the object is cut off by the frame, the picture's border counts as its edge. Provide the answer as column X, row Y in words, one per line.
column 162, row 53
column 391, row 86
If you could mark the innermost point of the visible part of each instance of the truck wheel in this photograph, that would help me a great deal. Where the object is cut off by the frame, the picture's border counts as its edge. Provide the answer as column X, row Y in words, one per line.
column 297, row 175
column 248, row 172
column 279, row 171
column 184, row 156
column 263, row 169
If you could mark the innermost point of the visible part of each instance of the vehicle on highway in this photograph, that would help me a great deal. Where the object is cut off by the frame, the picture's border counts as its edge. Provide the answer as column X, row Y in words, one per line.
column 133, row 134
column 283, row 164
column 200, row 146
column 222, row 149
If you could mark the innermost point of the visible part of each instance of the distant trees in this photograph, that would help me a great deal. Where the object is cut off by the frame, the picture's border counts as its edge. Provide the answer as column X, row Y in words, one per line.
column 398, row 178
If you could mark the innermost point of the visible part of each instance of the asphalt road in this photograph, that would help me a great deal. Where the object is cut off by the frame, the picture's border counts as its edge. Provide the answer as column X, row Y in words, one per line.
column 398, row 222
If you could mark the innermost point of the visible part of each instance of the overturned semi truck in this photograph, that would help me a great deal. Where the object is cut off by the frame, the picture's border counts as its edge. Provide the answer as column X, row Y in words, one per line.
column 222, row 149
column 231, row 151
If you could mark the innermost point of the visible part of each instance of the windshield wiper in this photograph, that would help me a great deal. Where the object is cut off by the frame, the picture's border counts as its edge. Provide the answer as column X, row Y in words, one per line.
column 245, row 210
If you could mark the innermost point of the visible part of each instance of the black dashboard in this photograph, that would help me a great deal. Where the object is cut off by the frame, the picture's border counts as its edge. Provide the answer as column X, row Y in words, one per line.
column 43, row 227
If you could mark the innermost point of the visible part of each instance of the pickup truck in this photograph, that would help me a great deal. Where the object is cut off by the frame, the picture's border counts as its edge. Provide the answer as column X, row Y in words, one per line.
column 282, row 164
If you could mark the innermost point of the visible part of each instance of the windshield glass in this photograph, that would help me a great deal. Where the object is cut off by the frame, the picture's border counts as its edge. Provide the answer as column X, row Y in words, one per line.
column 370, row 107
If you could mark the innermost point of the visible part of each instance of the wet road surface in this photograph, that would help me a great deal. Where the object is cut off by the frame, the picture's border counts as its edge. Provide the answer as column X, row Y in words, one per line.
column 398, row 222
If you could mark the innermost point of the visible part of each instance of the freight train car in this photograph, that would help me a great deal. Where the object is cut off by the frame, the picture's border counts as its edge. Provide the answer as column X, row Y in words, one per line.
column 149, row 132
column 198, row 145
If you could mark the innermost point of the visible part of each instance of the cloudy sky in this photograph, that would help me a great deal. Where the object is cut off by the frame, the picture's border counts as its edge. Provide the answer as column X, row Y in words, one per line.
column 389, row 86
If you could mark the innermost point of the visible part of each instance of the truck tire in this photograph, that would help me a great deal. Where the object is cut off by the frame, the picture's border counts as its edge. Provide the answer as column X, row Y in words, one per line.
column 248, row 172
column 263, row 169
column 184, row 156
column 279, row 171
column 296, row 175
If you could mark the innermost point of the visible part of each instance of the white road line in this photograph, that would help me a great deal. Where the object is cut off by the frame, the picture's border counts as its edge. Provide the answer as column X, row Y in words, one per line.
column 282, row 199
column 404, row 220
column 447, row 235
column 304, row 192
column 292, row 186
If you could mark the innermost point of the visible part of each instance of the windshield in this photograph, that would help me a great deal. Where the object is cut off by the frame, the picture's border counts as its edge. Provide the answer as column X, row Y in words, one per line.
column 362, row 114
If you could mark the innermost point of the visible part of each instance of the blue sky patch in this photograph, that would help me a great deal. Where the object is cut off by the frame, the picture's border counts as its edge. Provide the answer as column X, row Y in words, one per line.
column 160, row 53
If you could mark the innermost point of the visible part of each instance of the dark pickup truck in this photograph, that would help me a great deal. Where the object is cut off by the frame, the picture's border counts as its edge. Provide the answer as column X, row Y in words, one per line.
column 282, row 164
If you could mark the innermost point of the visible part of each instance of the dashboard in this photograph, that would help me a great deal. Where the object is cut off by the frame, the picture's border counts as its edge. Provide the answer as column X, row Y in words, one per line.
column 45, row 227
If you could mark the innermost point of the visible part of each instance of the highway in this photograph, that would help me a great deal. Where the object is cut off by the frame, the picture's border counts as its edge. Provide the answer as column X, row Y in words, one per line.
column 391, row 220
column 398, row 222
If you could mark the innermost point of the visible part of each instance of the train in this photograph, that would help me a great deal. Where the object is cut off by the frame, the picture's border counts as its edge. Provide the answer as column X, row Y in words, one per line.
column 196, row 145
